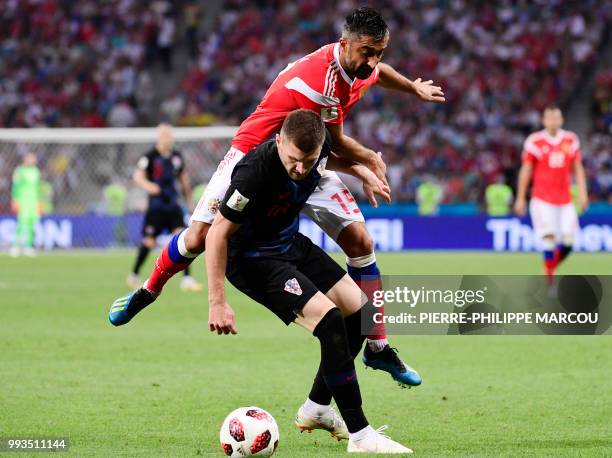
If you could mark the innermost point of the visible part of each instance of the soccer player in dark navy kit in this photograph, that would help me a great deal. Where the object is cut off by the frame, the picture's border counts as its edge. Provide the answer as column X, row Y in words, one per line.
column 254, row 241
column 157, row 173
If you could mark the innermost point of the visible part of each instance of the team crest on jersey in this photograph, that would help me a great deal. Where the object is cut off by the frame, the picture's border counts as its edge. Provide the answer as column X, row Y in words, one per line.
column 237, row 201
column 176, row 162
column 213, row 205
column 292, row 286
column 565, row 148
column 321, row 166
column 329, row 113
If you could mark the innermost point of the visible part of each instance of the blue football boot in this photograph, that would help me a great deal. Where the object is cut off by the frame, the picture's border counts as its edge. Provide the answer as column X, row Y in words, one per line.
column 126, row 307
column 388, row 361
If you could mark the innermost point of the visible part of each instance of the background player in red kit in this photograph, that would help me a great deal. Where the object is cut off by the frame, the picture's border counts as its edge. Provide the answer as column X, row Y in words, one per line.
column 549, row 156
column 330, row 81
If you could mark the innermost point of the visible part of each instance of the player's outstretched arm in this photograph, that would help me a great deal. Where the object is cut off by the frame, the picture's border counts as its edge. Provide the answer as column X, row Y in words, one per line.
column 221, row 317
column 372, row 185
column 352, row 150
column 389, row 78
column 583, row 195
column 524, row 177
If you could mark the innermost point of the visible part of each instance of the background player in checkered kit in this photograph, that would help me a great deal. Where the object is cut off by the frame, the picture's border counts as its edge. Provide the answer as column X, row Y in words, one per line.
column 157, row 172
column 550, row 156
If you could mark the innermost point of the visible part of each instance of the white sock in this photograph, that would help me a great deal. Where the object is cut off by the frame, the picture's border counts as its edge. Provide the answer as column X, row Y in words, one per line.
column 361, row 434
column 377, row 345
column 315, row 410
column 182, row 248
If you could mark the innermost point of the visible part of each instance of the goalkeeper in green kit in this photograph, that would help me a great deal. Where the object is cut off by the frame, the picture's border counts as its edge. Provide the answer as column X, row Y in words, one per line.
column 26, row 203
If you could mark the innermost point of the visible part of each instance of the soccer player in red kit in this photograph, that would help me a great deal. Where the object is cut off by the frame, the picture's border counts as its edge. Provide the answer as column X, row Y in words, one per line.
column 329, row 81
column 549, row 156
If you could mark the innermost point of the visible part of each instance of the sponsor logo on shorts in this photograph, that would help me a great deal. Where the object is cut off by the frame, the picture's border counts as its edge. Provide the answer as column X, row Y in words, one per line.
column 237, row 201
column 213, row 205
column 292, row 286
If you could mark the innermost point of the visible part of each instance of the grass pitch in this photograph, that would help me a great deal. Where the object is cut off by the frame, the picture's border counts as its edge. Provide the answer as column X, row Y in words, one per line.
column 161, row 385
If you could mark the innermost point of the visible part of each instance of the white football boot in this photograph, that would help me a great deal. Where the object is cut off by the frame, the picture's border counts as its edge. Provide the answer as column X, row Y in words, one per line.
column 376, row 442
column 330, row 421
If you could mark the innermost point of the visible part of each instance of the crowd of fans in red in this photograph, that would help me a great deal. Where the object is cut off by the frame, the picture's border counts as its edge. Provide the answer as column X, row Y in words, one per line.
column 499, row 64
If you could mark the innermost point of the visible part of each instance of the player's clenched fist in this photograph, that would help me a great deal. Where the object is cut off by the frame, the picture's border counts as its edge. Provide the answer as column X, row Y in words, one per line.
column 221, row 318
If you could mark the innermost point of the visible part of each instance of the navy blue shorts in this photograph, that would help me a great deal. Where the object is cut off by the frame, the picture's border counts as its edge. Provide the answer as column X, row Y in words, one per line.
column 285, row 282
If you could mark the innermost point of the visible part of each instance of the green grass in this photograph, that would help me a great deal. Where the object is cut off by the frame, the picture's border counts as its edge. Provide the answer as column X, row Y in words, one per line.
column 162, row 385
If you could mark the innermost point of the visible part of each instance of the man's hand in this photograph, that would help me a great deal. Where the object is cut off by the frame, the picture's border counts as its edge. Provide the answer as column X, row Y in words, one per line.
column 378, row 166
column 221, row 318
column 426, row 91
column 14, row 206
column 520, row 207
column 372, row 186
column 154, row 189
column 583, row 202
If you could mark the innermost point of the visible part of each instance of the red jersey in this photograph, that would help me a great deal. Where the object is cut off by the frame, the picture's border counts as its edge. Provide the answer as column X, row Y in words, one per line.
column 316, row 82
column 552, row 159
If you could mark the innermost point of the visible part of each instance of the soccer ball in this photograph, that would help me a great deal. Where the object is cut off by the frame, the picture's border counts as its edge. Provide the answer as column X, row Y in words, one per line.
column 249, row 431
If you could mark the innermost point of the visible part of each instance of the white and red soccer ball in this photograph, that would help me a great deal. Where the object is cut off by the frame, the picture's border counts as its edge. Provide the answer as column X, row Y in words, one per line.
column 249, row 431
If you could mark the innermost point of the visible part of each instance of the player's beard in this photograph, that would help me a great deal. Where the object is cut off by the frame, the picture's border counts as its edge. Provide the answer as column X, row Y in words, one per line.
column 363, row 72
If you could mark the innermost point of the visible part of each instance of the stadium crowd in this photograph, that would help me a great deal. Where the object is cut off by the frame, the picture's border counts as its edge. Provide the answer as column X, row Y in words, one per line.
column 85, row 64
column 600, row 141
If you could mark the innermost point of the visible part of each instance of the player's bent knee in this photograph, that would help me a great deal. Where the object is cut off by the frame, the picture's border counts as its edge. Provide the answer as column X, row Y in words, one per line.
column 355, row 240
column 346, row 295
column 568, row 240
column 314, row 310
column 195, row 237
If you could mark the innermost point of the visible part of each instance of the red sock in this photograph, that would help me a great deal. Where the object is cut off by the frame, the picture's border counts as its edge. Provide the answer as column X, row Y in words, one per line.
column 549, row 266
column 379, row 330
column 163, row 271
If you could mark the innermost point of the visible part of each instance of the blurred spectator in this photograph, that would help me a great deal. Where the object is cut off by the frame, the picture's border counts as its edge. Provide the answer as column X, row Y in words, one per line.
column 165, row 40
column 122, row 115
column 192, row 17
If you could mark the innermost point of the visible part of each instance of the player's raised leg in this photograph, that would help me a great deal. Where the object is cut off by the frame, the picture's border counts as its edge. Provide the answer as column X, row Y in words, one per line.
column 335, row 210
column 174, row 258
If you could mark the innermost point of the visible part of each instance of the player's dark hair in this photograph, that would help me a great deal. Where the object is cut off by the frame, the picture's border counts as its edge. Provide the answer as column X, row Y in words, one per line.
column 366, row 21
column 305, row 129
